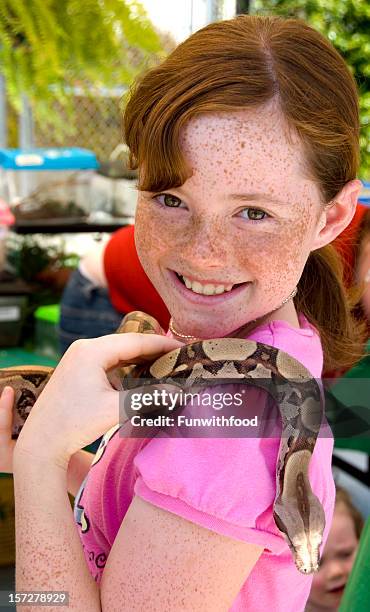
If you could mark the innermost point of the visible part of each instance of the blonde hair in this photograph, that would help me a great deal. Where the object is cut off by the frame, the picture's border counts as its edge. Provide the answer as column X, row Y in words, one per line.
column 342, row 497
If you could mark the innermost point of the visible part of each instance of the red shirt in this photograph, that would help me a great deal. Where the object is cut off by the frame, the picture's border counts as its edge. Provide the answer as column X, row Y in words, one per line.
column 347, row 242
column 128, row 285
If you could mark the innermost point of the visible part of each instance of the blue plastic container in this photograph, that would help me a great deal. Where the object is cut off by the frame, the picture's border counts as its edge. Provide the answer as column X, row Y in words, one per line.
column 48, row 159
column 365, row 194
column 60, row 175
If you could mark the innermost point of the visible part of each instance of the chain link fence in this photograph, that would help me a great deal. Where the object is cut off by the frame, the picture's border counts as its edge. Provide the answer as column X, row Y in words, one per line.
column 95, row 124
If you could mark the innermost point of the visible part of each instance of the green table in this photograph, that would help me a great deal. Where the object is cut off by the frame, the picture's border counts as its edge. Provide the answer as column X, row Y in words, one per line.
column 19, row 356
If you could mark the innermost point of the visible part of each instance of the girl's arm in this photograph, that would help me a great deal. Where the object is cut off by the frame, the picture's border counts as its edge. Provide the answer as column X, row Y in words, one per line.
column 162, row 562
column 49, row 555
column 158, row 561
column 77, row 406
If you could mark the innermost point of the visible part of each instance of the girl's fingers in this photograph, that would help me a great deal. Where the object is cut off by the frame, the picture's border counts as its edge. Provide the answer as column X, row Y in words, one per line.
column 6, row 410
column 117, row 349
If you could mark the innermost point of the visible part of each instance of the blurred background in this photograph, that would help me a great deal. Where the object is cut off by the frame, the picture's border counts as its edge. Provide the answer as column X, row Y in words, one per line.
column 65, row 69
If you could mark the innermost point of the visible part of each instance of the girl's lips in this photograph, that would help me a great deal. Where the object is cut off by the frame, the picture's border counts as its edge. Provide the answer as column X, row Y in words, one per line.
column 338, row 590
column 207, row 300
column 211, row 281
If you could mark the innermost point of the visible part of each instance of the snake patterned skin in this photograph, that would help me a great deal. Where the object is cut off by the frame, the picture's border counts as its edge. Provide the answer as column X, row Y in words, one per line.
column 297, row 512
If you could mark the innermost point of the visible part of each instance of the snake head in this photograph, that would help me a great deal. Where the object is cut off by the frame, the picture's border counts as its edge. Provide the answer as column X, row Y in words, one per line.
column 306, row 553
column 303, row 532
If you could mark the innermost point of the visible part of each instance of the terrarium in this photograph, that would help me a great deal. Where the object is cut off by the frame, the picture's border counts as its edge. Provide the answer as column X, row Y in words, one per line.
column 47, row 184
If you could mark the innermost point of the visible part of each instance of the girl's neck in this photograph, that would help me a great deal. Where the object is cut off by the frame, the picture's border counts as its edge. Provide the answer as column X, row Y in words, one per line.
column 286, row 312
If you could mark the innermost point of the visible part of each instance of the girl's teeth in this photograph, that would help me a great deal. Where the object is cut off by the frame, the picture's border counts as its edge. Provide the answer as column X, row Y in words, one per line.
column 197, row 287
column 206, row 289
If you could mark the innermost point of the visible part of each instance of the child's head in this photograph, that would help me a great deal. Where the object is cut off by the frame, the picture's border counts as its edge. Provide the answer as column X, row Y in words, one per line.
column 246, row 139
column 338, row 556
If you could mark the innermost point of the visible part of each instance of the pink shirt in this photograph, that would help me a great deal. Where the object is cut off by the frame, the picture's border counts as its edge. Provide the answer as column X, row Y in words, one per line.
column 226, row 485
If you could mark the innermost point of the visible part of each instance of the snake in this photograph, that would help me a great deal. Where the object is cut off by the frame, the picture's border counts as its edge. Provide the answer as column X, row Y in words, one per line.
column 297, row 512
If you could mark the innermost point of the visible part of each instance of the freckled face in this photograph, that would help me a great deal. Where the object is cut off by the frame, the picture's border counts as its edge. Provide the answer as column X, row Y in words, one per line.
column 247, row 215
column 336, row 563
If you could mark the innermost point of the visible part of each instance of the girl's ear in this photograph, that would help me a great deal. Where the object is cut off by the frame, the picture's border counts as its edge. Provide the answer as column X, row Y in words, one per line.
column 338, row 214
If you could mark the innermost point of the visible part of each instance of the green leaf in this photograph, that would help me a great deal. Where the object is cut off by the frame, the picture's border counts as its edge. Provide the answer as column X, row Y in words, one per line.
column 49, row 46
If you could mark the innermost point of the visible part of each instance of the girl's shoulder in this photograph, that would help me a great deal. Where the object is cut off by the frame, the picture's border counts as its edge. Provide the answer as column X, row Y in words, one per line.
column 228, row 484
column 302, row 343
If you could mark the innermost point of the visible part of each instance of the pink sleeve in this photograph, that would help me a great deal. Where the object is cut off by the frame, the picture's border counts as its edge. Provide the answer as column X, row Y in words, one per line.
column 226, row 485
column 201, row 480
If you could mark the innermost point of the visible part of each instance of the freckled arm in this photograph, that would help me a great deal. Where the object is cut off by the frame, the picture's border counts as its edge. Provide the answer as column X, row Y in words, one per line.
column 49, row 554
column 162, row 563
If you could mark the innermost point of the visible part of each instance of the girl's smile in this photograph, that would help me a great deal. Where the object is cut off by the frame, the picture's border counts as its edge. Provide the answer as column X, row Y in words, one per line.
column 206, row 292
column 229, row 245
column 206, row 287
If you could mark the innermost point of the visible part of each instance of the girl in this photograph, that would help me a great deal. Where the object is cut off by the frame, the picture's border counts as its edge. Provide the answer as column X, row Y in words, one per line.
column 246, row 139
column 338, row 557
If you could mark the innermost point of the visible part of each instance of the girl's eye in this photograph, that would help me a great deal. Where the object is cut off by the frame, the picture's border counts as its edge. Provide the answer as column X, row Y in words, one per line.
column 345, row 555
column 168, row 200
column 253, row 214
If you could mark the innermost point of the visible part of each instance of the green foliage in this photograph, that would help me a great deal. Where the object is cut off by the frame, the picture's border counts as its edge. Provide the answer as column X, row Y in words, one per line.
column 27, row 256
column 49, row 46
column 347, row 25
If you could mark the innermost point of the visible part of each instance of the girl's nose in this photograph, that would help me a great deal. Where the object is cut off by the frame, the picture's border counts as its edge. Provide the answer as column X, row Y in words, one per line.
column 336, row 570
column 206, row 247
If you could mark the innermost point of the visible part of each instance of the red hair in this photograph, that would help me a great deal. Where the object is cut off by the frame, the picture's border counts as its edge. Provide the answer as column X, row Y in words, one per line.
column 246, row 62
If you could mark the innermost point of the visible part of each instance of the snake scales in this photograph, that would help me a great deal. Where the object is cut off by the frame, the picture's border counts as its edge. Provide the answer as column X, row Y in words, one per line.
column 297, row 512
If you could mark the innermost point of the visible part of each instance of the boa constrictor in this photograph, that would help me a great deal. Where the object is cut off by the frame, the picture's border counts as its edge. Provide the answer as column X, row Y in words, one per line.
column 297, row 512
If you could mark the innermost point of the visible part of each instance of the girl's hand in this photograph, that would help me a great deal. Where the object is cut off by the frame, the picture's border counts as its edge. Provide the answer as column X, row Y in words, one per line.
column 6, row 418
column 78, row 405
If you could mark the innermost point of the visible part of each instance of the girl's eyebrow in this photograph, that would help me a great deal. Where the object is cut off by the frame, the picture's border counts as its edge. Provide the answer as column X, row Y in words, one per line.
column 248, row 197
column 344, row 548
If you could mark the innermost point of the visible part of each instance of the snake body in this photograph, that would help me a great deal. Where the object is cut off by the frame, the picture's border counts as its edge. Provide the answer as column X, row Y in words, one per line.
column 297, row 512
column 27, row 382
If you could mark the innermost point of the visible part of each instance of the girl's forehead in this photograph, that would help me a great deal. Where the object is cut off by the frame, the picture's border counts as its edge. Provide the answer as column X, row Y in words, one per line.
column 244, row 148
column 241, row 124
column 343, row 528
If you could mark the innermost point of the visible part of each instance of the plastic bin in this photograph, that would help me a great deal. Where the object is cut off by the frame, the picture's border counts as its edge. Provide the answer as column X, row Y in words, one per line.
column 365, row 194
column 46, row 331
column 12, row 315
column 47, row 183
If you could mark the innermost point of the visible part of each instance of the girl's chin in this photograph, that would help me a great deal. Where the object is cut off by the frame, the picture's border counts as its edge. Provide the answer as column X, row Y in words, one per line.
column 203, row 329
